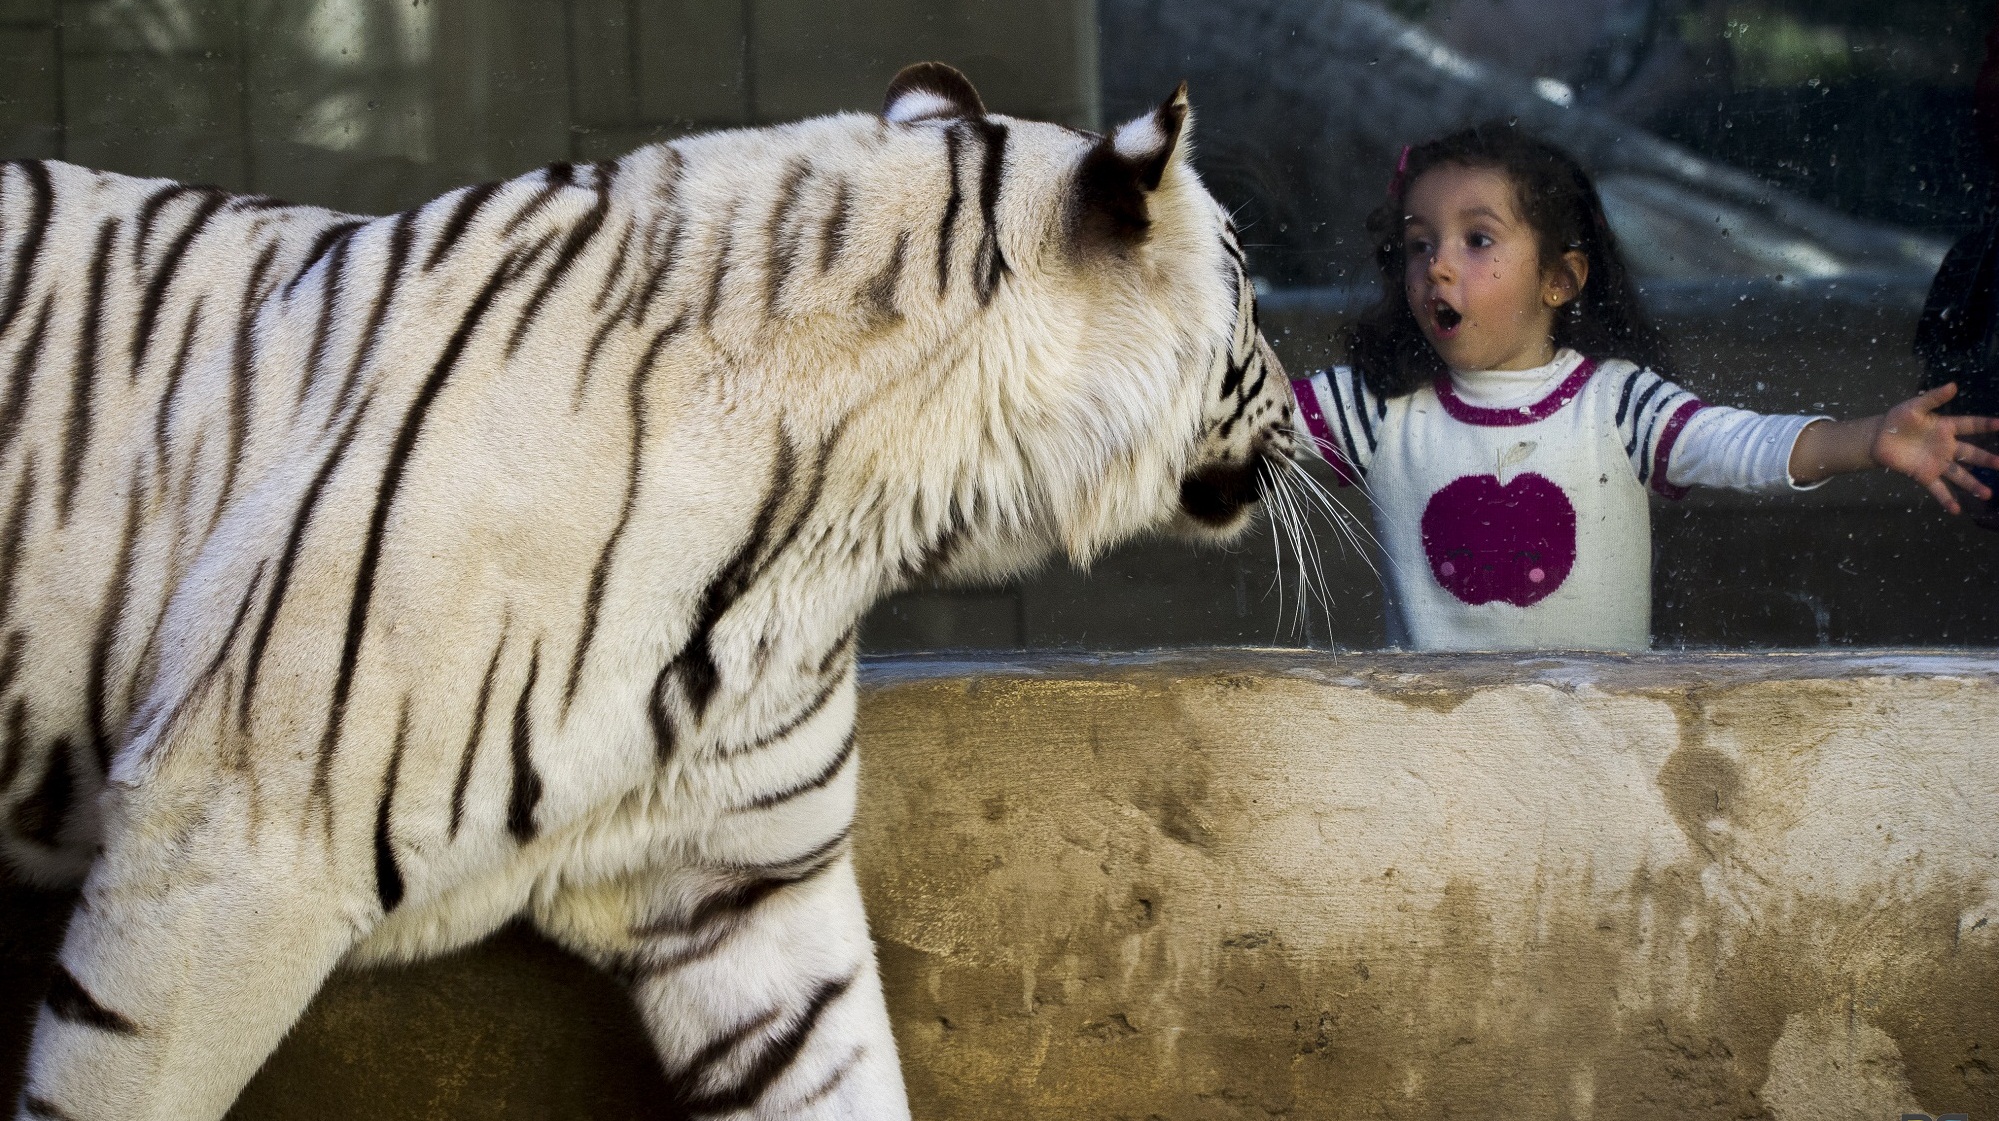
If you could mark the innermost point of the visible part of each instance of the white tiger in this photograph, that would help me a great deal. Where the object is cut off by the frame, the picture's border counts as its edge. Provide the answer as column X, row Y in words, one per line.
column 365, row 583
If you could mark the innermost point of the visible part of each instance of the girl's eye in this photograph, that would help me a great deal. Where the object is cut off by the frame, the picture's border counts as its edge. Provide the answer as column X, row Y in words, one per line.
column 1416, row 248
column 1479, row 241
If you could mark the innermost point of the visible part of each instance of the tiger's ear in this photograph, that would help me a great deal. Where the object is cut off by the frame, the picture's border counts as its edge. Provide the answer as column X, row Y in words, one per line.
column 1109, row 207
column 930, row 91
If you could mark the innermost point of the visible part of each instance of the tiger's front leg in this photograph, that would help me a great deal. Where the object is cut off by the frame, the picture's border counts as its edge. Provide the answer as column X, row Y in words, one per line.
column 761, row 996
column 757, row 982
column 197, row 944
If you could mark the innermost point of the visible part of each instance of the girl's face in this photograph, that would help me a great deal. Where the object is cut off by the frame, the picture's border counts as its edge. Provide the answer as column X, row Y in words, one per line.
column 1474, row 277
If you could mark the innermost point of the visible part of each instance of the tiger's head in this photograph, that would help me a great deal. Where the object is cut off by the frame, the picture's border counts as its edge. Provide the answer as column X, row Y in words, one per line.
column 1134, row 386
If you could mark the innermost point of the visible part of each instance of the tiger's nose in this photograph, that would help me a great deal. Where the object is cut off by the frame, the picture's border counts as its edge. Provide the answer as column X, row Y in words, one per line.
column 1219, row 494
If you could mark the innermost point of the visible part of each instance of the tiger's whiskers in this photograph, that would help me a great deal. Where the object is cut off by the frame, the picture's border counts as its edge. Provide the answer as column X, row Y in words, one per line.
column 1294, row 496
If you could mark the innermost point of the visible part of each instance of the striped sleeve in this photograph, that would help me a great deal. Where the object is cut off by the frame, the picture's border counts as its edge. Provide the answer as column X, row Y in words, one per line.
column 1652, row 414
column 1341, row 419
column 1738, row 449
column 1676, row 441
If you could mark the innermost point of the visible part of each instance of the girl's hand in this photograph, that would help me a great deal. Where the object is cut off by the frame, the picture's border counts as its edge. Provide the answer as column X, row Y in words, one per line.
column 1914, row 440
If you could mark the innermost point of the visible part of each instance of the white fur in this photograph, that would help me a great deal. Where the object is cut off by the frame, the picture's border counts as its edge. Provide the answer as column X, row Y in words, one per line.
column 1059, row 416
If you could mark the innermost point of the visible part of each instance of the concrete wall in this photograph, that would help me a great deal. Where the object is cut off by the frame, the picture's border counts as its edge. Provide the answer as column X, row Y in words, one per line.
column 1233, row 886
column 1242, row 885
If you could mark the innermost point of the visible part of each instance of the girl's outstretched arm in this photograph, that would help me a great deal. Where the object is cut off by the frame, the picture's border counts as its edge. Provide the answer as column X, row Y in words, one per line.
column 1910, row 438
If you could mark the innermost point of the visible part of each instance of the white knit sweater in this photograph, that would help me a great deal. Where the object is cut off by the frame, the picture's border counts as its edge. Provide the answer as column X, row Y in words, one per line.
column 1510, row 504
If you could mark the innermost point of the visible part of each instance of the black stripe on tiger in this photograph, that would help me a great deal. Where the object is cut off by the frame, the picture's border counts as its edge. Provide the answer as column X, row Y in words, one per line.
column 937, row 552
column 991, row 265
column 525, row 794
column 385, row 499
column 798, row 719
column 329, row 240
column 555, row 177
column 13, row 743
column 39, row 816
column 1230, row 247
column 42, row 1109
column 954, row 142
column 28, row 254
column 833, row 1080
column 880, row 291
column 1246, row 396
column 696, row 662
column 242, row 374
column 617, row 268
column 170, row 392
column 282, row 577
column 1232, row 377
column 593, row 597
column 574, row 244
column 169, row 267
column 833, row 234
column 596, row 344
column 820, row 781
column 781, row 234
column 109, row 622
column 476, row 733
column 143, row 663
column 20, row 382
column 746, row 895
column 207, row 675
column 72, row 1003
column 400, row 233
column 389, row 877
column 770, row 1064
column 661, row 721
column 10, row 663
column 845, row 644
column 662, row 240
column 83, row 386
column 604, row 329
column 329, row 303
column 668, row 255
column 149, row 213
column 804, row 507
column 651, row 965
column 470, row 202
column 727, row 242
column 685, row 1083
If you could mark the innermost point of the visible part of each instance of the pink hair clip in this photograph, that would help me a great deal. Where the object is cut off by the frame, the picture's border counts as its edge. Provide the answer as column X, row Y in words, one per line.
column 1401, row 173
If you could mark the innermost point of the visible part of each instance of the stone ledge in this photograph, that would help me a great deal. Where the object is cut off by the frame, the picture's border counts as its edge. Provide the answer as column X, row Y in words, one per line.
column 1249, row 883
column 1236, row 884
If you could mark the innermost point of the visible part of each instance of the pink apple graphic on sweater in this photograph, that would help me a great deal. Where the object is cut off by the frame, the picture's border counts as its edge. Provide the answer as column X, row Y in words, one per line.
column 1492, row 542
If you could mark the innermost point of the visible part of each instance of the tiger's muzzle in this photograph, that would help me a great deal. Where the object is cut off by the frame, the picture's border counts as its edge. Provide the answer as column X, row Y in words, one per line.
column 1221, row 495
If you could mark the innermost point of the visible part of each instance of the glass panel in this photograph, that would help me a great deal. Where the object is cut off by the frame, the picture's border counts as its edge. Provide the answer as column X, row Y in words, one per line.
column 1785, row 178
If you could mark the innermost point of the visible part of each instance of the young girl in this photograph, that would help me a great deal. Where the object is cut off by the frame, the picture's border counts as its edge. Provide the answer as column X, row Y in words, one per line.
column 1505, row 410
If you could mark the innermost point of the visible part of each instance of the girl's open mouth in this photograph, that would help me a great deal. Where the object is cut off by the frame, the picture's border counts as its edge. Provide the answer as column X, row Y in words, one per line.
column 1446, row 317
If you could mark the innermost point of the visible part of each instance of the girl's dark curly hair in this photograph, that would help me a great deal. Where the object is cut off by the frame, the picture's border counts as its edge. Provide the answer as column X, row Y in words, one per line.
column 1387, row 348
